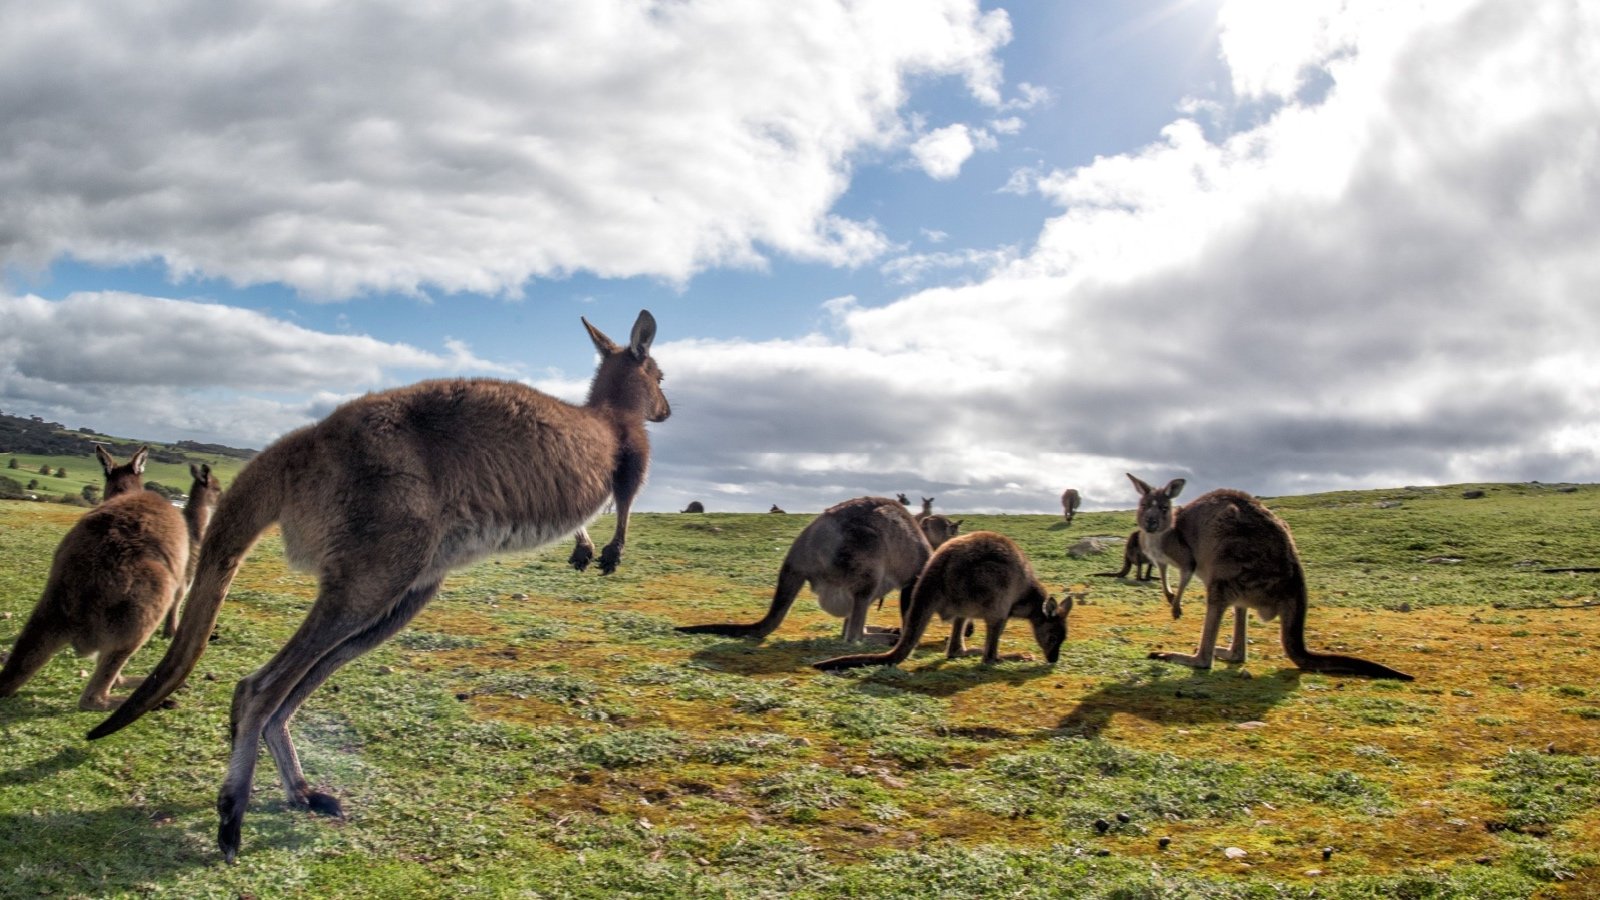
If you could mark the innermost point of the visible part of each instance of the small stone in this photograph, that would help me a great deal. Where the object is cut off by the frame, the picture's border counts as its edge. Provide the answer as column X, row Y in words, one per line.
column 519, row 597
column 1247, row 726
column 1327, row 853
column 386, row 670
column 1124, row 818
column 1234, row 853
column 1102, row 826
column 1164, row 842
column 1405, row 607
column 83, row 673
column 1312, row 873
column 1550, row 748
column 210, row 676
column 1101, row 851
column 463, row 696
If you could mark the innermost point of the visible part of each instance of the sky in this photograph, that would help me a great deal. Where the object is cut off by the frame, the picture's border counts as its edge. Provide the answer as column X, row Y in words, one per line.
column 979, row 252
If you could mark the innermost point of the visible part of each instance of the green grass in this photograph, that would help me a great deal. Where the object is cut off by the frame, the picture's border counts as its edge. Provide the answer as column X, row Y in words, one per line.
column 570, row 743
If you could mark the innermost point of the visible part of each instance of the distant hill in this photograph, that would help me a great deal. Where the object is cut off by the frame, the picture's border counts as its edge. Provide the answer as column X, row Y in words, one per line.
column 33, row 435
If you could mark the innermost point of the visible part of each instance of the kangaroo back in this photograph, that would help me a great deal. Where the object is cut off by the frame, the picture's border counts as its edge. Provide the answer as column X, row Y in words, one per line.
column 243, row 513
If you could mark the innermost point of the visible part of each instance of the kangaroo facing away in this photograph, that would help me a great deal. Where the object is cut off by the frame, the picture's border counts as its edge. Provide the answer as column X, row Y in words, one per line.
column 854, row 553
column 384, row 497
column 118, row 573
column 1247, row 559
column 1069, row 503
column 695, row 506
column 1134, row 560
column 982, row 575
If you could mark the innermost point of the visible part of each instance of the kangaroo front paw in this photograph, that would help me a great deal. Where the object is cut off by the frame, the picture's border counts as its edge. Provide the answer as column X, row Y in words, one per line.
column 581, row 557
column 610, row 557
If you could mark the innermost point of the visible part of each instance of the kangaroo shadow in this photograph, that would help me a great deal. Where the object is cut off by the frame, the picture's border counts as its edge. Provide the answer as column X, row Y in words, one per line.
column 66, row 758
column 747, row 657
column 941, row 676
column 1170, row 696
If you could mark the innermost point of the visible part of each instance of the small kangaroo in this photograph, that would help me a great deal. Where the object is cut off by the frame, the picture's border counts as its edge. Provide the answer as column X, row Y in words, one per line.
column 982, row 575
column 695, row 506
column 1069, row 503
column 1247, row 559
column 927, row 508
column 904, row 500
column 118, row 573
column 854, row 553
column 776, row 509
column 1134, row 559
column 384, row 497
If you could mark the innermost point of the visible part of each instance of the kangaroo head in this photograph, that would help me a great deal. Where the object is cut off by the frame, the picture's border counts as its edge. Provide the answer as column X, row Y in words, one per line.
column 938, row 529
column 206, row 487
column 122, row 478
column 1049, row 621
column 904, row 500
column 628, row 379
column 1155, row 512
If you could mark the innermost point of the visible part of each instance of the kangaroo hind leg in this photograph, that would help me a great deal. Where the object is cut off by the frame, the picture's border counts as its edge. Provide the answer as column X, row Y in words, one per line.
column 1201, row 658
column 1236, row 651
column 107, row 675
column 344, row 610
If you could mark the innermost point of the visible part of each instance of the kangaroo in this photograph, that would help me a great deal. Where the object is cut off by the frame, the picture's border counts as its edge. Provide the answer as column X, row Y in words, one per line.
column 1247, row 559
column 982, row 575
column 1134, row 559
column 927, row 508
column 118, row 573
column 938, row 529
column 776, row 509
column 695, row 506
column 384, row 497
column 904, row 500
column 1069, row 503
column 854, row 553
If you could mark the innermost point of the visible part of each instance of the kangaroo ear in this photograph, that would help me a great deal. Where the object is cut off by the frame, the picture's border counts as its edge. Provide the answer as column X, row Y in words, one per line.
column 644, row 334
column 138, row 460
column 107, row 462
column 1143, row 488
column 601, row 342
column 1175, row 487
column 1050, row 607
column 194, row 472
column 957, row 524
column 205, row 472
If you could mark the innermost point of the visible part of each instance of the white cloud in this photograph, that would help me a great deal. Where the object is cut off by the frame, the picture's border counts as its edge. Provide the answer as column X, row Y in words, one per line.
column 941, row 152
column 142, row 363
column 1391, row 282
column 352, row 148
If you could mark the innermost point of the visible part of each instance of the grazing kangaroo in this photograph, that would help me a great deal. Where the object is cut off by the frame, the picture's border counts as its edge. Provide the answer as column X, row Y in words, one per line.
column 1247, row 559
column 938, row 529
column 384, row 497
column 854, row 553
column 927, row 508
column 695, row 506
column 982, row 575
column 1134, row 559
column 775, row 509
column 1069, row 503
column 118, row 573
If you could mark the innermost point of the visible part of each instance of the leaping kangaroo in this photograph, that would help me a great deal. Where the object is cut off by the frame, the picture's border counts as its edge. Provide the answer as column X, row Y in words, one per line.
column 384, row 497
column 1247, row 559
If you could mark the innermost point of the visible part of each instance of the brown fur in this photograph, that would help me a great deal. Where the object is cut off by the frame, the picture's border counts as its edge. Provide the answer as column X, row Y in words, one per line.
column 381, row 499
column 938, row 529
column 118, row 573
column 927, row 508
column 1134, row 560
column 1069, row 503
column 982, row 575
column 695, row 506
column 1247, row 559
column 854, row 553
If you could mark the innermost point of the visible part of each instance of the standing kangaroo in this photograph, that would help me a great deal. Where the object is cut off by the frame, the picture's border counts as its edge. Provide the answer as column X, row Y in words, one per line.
column 118, row 573
column 854, row 553
column 982, row 575
column 1133, row 559
column 927, row 509
column 1069, row 503
column 384, row 497
column 1247, row 559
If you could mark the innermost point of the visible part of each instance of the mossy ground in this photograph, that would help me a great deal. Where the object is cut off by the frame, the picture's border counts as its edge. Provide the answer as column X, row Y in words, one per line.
column 572, row 744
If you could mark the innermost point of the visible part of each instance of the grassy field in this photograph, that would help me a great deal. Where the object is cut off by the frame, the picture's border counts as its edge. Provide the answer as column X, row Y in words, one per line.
column 85, row 470
column 543, row 733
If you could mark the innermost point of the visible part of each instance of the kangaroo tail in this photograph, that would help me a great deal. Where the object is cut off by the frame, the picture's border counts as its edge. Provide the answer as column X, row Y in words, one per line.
column 253, row 502
column 790, row 581
column 1294, row 646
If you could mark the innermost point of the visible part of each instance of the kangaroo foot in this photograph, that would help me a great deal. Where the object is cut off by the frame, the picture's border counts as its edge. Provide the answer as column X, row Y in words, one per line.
column 1182, row 659
column 610, row 557
column 581, row 557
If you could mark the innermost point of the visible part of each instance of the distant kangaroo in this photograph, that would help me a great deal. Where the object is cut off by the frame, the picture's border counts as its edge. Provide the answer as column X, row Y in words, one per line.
column 775, row 509
column 1134, row 559
column 854, row 553
column 982, row 575
column 118, row 572
column 1069, row 503
column 384, row 497
column 695, row 506
column 1247, row 559
column 927, row 508
column 904, row 500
